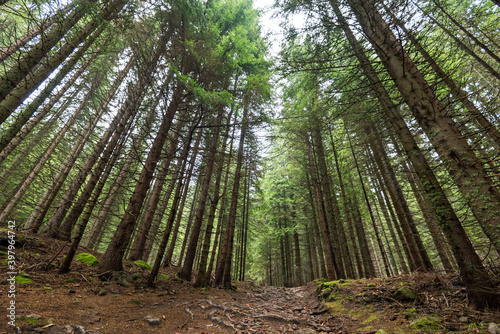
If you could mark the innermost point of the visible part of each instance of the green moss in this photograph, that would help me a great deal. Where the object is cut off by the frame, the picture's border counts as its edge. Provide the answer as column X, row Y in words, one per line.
column 70, row 280
column 128, row 265
column 47, row 288
column 425, row 324
column 162, row 277
column 2, row 253
column 35, row 322
column 6, row 261
column 335, row 307
column 23, row 278
column 142, row 265
column 320, row 280
column 371, row 285
column 87, row 259
column 409, row 313
column 370, row 319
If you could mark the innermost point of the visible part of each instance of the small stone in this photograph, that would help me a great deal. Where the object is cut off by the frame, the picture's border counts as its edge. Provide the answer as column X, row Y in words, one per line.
column 102, row 293
column 61, row 330
column 463, row 320
column 78, row 329
column 303, row 311
column 493, row 328
column 72, row 291
column 34, row 316
column 152, row 320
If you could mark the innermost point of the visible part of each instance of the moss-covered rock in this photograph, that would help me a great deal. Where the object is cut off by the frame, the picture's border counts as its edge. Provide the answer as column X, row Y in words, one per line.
column 405, row 294
column 327, row 291
column 87, row 259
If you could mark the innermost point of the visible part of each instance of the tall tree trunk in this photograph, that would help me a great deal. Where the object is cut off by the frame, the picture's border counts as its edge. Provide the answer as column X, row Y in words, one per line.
column 222, row 210
column 166, row 234
column 223, row 270
column 112, row 258
column 26, row 64
column 370, row 210
column 41, row 162
column 430, row 217
column 412, row 236
column 18, row 95
column 368, row 269
column 133, row 155
column 202, row 200
column 146, row 221
column 346, row 207
column 12, row 136
column 189, row 173
column 89, row 207
column 203, row 277
column 298, row 263
column 489, row 129
column 341, row 252
column 127, row 111
column 388, row 219
column 482, row 196
column 9, row 50
column 317, row 234
column 331, row 264
column 35, row 220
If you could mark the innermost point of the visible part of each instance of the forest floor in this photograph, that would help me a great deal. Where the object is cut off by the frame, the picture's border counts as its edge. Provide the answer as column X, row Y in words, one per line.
column 52, row 303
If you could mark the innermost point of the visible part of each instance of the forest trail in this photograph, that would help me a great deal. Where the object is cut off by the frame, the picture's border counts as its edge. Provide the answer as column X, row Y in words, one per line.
column 80, row 302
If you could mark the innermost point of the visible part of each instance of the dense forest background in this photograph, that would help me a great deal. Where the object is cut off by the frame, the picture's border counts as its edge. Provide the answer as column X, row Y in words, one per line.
column 164, row 131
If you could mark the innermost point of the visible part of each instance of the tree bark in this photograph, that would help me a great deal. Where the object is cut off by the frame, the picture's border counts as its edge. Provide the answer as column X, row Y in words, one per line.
column 148, row 218
column 133, row 155
column 203, row 277
column 490, row 129
column 339, row 241
column 41, row 162
column 469, row 176
column 26, row 64
column 112, row 258
column 331, row 265
column 8, row 51
column 223, row 270
column 18, row 95
column 202, row 200
column 35, row 219
column 7, row 144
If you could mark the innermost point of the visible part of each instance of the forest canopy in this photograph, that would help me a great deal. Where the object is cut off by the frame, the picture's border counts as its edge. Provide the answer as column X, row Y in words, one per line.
column 167, row 132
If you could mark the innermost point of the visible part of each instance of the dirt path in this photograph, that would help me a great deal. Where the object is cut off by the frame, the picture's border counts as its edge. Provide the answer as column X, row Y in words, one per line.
column 265, row 310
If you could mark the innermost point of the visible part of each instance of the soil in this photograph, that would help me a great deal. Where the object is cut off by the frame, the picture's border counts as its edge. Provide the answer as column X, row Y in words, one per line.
column 52, row 300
